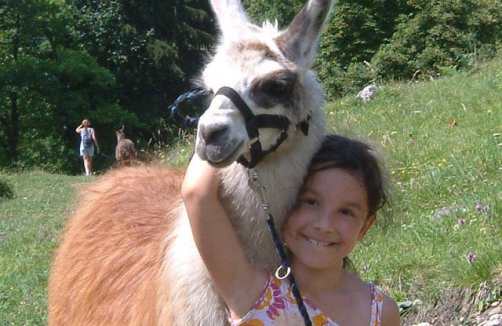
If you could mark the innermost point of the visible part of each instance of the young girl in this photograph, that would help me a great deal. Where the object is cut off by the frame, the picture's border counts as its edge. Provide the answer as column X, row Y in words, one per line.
column 336, row 206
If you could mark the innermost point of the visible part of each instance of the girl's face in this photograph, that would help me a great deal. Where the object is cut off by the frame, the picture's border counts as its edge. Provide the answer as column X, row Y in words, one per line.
column 330, row 217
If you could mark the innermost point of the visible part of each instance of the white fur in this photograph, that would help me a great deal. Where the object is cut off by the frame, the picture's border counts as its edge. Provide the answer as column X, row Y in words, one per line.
column 282, row 172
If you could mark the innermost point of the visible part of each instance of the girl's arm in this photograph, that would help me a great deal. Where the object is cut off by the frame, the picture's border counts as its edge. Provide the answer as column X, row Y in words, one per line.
column 239, row 283
column 79, row 128
column 95, row 139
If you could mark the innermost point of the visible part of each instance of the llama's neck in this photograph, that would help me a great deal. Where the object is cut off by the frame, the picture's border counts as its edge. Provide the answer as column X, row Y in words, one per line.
column 282, row 173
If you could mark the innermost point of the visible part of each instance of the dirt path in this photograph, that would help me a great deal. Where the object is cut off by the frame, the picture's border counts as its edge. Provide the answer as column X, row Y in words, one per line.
column 449, row 316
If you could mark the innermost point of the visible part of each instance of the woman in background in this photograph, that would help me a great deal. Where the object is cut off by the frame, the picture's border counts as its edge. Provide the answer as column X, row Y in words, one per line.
column 87, row 142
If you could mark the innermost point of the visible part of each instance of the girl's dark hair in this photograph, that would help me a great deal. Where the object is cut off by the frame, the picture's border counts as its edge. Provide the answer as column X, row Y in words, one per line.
column 356, row 157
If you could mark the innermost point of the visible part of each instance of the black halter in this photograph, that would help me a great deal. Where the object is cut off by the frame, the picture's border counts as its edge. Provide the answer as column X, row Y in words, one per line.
column 254, row 123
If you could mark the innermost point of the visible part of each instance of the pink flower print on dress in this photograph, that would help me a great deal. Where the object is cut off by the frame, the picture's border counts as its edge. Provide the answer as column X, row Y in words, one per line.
column 273, row 300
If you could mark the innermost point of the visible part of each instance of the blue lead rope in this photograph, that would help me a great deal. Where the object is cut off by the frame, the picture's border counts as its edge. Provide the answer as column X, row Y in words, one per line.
column 254, row 182
column 183, row 121
column 285, row 264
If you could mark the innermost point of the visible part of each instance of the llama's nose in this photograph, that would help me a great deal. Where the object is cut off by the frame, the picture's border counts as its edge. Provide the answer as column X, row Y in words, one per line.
column 213, row 133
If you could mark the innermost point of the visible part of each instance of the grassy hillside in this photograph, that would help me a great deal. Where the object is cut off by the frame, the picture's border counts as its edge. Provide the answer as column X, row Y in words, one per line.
column 441, row 245
column 443, row 142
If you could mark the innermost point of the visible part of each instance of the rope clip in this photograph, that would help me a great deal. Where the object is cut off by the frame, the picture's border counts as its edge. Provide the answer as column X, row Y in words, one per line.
column 282, row 272
column 255, row 184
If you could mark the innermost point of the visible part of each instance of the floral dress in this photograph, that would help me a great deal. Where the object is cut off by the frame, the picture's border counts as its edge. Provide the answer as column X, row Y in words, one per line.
column 277, row 307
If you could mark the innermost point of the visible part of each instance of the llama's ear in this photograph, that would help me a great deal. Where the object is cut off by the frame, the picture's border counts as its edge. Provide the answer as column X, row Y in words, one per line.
column 231, row 16
column 299, row 40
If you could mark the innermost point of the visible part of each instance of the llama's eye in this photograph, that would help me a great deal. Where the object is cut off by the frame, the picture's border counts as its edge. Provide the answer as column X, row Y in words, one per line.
column 276, row 88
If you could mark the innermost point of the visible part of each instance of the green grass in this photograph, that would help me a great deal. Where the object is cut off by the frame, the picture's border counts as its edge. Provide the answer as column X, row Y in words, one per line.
column 439, row 172
column 443, row 147
column 30, row 225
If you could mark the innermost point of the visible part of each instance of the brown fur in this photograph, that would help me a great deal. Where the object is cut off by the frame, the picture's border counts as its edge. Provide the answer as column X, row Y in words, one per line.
column 133, row 241
column 125, row 152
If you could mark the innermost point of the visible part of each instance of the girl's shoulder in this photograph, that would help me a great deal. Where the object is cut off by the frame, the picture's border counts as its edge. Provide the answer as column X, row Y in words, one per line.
column 384, row 309
column 390, row 314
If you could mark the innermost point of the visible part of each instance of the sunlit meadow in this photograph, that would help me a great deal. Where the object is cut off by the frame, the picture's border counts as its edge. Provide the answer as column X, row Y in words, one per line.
column 30, row 225
column 442, row 144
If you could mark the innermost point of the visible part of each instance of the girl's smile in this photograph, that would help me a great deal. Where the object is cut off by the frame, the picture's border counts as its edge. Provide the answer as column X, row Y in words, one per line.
column 318, row 243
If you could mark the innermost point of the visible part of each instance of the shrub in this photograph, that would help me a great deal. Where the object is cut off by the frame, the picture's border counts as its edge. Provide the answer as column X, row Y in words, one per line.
column 339, row 82
column 436, row 35
column 6, row 190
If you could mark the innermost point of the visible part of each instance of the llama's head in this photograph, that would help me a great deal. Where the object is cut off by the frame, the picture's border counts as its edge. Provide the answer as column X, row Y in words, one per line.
column 264, row 89
column 120, row 134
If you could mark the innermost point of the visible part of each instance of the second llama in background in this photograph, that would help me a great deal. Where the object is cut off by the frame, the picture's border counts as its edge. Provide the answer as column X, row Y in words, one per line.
column 125, row 152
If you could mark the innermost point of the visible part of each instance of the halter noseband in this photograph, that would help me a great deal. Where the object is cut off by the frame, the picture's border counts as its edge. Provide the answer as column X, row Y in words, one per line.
column 254, row 123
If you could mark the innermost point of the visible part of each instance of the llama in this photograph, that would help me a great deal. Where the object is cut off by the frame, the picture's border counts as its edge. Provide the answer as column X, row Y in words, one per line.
column 125, row 152
column 127, row 256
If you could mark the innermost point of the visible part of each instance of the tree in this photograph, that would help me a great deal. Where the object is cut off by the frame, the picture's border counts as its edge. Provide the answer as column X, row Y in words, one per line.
column 153, row 48
column 434, row 37
column 45, row 87
column 23, row 28
column 283, row 11
column 353, row 36
column 369, row 41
